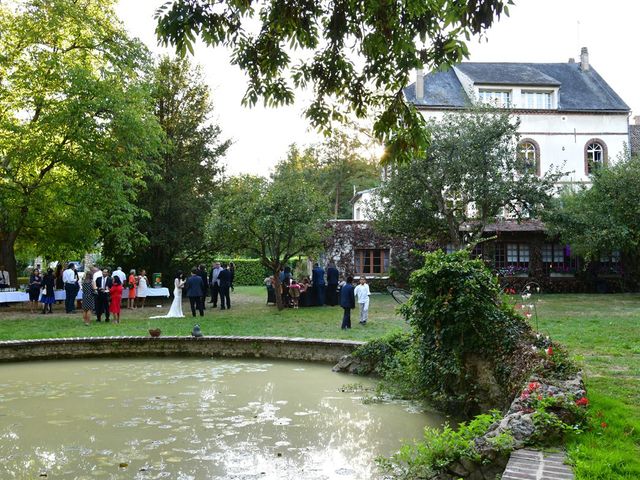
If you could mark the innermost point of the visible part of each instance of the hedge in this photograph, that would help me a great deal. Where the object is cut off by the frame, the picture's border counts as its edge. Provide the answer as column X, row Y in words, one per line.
column 249, row 271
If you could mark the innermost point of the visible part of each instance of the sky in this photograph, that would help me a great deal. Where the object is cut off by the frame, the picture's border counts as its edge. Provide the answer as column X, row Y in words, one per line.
column 544, row 31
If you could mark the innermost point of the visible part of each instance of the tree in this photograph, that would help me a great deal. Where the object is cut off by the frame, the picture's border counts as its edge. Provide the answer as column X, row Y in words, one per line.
column 272, row 220
column 336, row 167
column 604, row 217
column 470, row 174
column 75, row 126
column 357, row 56
column 182, row 185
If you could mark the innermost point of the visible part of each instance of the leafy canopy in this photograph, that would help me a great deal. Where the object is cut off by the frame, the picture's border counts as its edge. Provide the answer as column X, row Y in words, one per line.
column 469, row 176
column 76, row 125
column 337, row 166
column 355, row 55
column 604, row 217
column 182, row 182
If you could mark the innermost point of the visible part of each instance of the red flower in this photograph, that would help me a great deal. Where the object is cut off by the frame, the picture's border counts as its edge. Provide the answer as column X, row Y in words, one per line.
column 582, row 402
column 604, row 425
column 533, row 386
column 539, row 397
column 549, row 351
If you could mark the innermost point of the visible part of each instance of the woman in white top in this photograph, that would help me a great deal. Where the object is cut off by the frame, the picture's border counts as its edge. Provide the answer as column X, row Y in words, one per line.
column 176, row 306
column 142, row 288
column 362, row 293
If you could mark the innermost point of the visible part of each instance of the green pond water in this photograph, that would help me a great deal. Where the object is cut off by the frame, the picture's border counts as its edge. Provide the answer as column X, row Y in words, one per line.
column 194, row 419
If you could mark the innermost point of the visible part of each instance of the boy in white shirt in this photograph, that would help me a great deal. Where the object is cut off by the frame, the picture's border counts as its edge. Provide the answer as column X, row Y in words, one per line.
column 362, row 296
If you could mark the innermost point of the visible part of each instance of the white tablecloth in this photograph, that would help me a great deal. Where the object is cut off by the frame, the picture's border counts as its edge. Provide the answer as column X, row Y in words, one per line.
column 6, row 297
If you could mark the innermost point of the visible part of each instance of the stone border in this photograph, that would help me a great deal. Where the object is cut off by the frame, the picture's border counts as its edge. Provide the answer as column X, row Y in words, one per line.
column 309, row 349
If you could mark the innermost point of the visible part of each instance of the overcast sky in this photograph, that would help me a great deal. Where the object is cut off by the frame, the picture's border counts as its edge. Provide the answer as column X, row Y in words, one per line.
column 536, row 31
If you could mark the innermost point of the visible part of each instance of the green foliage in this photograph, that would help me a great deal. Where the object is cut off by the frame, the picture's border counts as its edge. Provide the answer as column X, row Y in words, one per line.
column 604, row 217
column 440, row 448
column 458, row 313
column 76, row 127
column 272, row 220
column 335, row 166
column 249, row 271
column 356, row 57
column 182, row 183
column 468, row 176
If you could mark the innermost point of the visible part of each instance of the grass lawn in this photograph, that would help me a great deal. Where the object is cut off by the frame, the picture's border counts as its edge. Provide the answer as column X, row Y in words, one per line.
column 248, row 316
column 602, row 332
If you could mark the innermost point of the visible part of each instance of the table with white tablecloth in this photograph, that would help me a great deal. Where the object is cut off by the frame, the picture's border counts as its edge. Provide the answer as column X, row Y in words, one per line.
column 17, row 296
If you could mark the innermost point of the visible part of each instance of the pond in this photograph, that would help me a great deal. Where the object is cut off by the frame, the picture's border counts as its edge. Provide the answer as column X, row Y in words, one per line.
column 195, row 419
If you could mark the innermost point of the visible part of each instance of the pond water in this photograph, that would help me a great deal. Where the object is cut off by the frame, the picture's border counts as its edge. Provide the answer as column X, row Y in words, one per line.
column 194, row 419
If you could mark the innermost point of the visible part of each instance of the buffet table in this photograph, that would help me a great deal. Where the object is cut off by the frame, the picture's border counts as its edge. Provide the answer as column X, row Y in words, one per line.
column 17, row 296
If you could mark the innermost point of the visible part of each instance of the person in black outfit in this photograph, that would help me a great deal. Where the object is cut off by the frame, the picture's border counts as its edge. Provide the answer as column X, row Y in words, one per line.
column 202, row 272
column 224, row 278
column 103, row 284
column 196, row 290
column 333, row 278
column 347, row 302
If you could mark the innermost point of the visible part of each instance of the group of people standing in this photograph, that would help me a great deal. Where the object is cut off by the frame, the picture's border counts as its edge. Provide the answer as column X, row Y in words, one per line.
column 101, row 291
column 330, row 291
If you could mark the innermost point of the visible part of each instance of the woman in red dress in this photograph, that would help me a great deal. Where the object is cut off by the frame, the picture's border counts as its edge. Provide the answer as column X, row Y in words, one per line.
column 116, row 298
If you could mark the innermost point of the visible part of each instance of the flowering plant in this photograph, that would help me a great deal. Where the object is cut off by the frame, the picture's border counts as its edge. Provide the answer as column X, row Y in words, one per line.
column 511, row 270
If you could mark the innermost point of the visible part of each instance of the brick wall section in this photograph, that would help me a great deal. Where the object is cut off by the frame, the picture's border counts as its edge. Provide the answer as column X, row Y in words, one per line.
column 634, row 138
column 529, row 464
column 213, row 346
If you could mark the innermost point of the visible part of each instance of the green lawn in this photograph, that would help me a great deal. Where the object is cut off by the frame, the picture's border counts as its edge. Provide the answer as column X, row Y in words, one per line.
column 602, row 332
column 248, row 316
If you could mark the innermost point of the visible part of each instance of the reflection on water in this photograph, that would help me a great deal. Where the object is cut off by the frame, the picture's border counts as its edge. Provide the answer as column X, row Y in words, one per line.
column 193, row 419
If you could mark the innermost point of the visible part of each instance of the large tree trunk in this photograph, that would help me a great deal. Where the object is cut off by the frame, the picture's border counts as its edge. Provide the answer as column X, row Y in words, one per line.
column 8, row 256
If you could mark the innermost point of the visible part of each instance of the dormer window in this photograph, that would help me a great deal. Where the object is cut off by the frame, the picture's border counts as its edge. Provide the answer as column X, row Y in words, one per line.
column 537, row 99
column 498, row 98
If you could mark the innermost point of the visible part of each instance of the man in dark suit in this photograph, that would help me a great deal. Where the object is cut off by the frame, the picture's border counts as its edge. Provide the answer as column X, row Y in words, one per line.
column 195, row 289
column 103, row 284
column 347, row 302
column 317, row 280
column 224, row 278
column 333, row 278
column 202, row 273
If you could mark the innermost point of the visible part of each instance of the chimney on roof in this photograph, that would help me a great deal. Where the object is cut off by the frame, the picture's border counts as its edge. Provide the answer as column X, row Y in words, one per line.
column 584, row 59
column 572, row 60
column 419, row 84
column 636, row 120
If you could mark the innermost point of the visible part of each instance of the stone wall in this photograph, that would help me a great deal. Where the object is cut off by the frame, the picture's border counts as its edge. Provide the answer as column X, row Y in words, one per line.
column 212, row 346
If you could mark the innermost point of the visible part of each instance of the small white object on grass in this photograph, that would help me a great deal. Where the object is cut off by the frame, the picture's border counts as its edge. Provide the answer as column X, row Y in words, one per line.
column 158, row 306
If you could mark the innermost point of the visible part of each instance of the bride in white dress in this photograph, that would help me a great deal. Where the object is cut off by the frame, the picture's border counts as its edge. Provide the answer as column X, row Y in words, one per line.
column 176, row 306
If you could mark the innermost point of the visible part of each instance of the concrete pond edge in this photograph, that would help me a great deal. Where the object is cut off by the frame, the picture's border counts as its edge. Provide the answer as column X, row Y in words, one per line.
column 306, row 349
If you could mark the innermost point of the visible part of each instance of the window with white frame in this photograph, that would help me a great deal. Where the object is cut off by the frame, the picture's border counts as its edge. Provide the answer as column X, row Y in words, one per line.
column 498, row 98
column 537, row 99
column 557, row 258
column 594, row 157
column 528, row 155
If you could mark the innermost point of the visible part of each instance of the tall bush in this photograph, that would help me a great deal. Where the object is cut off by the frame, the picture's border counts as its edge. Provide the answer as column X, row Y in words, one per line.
column 464, row 332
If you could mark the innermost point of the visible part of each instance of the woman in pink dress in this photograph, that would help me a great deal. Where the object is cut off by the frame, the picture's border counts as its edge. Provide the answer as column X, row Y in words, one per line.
column 116, row 298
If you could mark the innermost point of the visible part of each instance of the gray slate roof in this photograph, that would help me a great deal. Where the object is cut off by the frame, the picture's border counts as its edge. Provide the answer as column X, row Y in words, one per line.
column 578, row 90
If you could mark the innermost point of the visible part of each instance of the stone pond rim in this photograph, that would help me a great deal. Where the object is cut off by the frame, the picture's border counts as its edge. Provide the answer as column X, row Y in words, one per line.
column 306, row 349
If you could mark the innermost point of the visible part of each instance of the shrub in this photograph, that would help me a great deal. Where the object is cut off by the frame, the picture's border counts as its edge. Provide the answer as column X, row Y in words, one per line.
column 249, row 271
column 464, row 330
